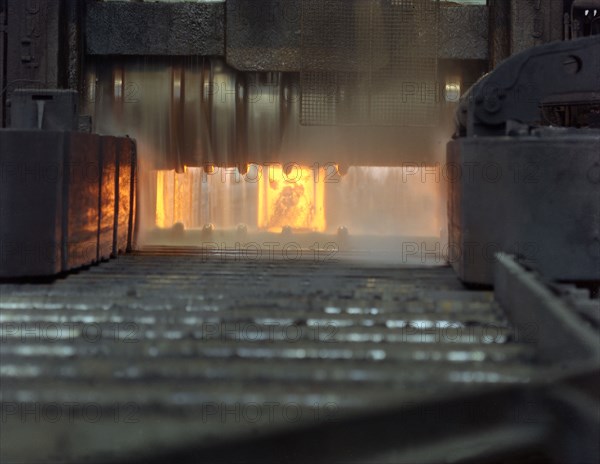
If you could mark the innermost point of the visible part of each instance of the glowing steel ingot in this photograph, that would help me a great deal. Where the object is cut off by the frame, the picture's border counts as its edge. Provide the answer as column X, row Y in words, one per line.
column 292, row 196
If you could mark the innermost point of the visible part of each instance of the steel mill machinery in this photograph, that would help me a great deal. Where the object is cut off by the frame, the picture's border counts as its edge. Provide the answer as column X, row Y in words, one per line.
column 300, row 231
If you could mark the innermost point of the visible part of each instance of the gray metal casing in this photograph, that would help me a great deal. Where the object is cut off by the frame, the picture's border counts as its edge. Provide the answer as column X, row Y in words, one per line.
column 47, row 109
column 537, row 197
column 32, row 198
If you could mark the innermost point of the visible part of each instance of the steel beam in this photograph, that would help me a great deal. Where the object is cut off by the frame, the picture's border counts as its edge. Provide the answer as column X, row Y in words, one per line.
column 557, row 332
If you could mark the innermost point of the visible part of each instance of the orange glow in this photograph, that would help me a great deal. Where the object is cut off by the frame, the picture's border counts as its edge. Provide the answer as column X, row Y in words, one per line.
column 386, row 201
column 174, row 197
column 161, row 219
column 295, row 199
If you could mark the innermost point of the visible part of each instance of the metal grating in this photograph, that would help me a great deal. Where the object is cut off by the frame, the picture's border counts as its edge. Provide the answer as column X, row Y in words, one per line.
column 369, row 62
column 167, row 294
column 165, row 334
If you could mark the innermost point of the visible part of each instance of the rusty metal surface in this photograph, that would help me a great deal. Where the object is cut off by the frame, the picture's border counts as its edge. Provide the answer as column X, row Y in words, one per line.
column 107, row 200
column 124, row 195
column 258, row 35
column 175, row 337
column 265, row 35
column 155, row 28
column 80, row 213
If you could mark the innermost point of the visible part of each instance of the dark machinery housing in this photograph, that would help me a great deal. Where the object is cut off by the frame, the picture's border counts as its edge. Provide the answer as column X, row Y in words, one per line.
column 300, row 231
column 514, row 140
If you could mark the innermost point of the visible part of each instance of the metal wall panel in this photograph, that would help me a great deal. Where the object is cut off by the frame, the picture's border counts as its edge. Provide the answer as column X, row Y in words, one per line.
column 33, row 32
column 2, row 61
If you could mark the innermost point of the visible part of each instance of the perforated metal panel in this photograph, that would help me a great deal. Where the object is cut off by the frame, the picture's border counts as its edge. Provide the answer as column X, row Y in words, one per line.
column 369, row 62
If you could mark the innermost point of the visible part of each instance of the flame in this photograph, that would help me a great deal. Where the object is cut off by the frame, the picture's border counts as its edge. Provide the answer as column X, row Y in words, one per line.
column 292, row 197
